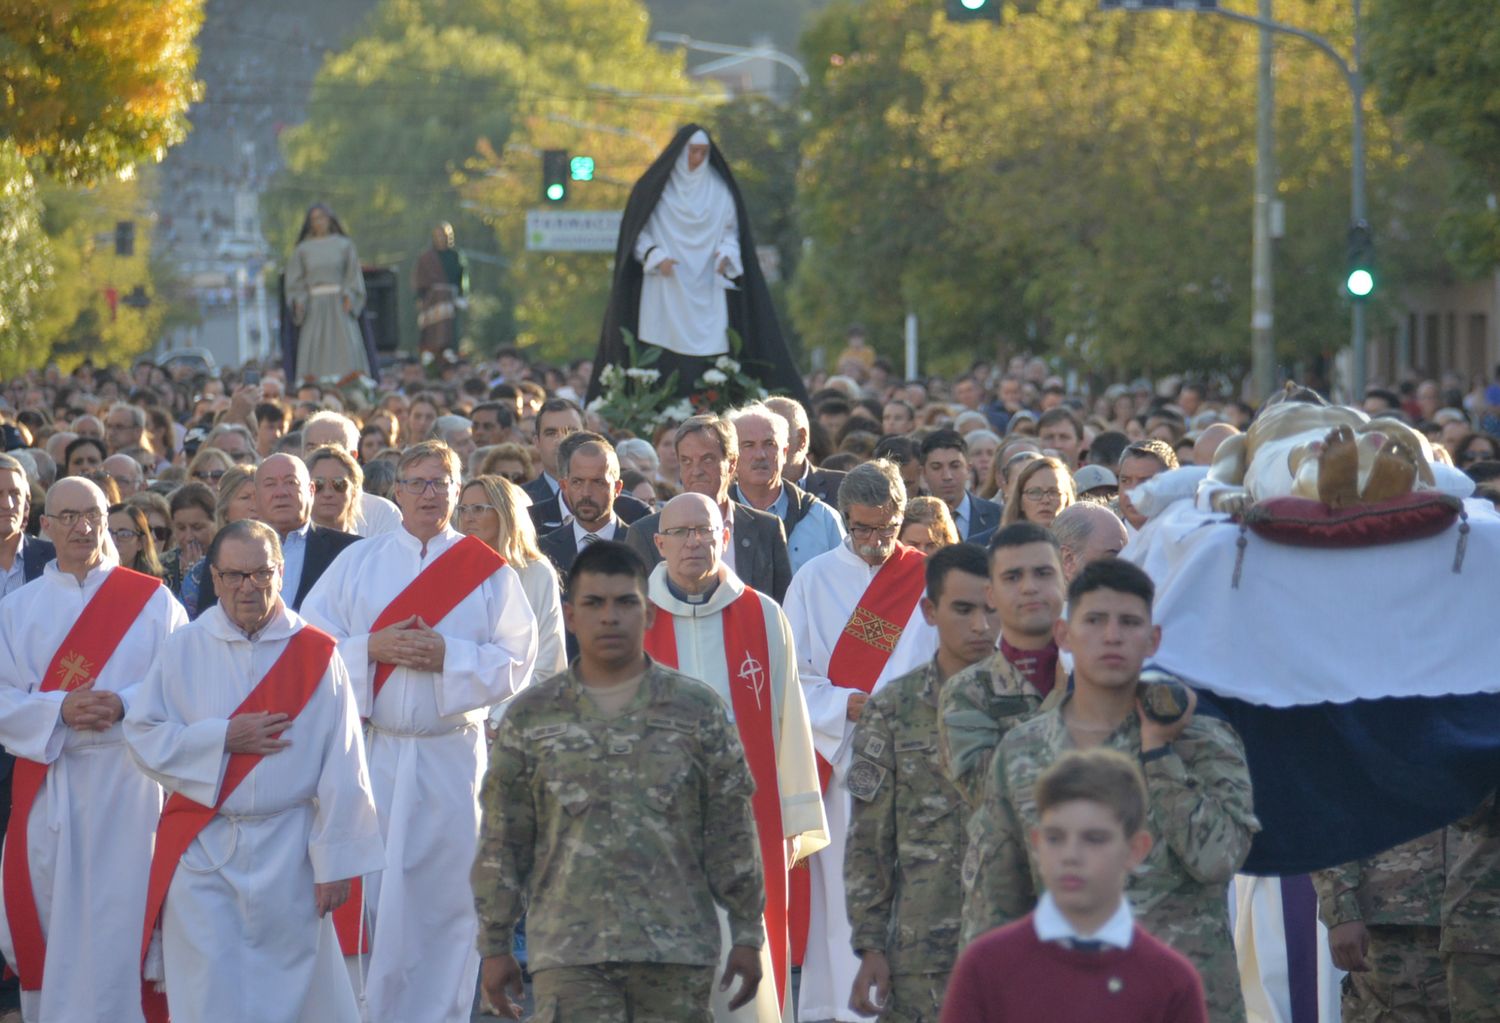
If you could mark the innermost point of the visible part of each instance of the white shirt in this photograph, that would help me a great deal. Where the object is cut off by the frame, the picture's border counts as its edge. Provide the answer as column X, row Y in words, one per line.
column 607, row 532
column 15, row 577
column 1051, row 925
column 961, row 516
column 376, row 516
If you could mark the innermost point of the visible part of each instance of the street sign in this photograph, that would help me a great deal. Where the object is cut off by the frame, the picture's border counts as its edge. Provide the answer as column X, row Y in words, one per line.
column 1158, row 5
column 572, row 231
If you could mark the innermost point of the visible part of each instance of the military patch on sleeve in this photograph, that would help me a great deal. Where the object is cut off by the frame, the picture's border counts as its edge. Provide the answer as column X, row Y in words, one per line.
column 864, row 779
column 912, row 745
column 545, row 731
column 674, row 724
column 874, row 746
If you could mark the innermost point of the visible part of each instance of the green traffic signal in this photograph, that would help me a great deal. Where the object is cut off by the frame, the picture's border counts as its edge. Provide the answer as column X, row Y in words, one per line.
column 1360, row 283
column 555, row 175
column 581, row 168
column 974, row 10
column 1359, row 280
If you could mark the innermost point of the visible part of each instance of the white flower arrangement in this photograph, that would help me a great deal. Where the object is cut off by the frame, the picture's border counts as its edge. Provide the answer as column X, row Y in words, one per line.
column 645, row 376
column 714, row 376
column 726, row 364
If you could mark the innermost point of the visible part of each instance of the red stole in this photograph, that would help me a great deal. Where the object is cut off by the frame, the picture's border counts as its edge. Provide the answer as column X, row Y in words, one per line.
column 78, row 661
column 285, row 689
column 748, row 657
column 436, row 591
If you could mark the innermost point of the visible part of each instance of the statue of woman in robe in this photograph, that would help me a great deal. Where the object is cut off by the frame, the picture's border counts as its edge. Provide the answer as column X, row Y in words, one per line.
column 325, row 289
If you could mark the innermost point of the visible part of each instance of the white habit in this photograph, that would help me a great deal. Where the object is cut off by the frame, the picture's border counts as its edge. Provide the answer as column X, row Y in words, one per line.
column 376, row 516
column 241, row 937
column 699, row 631
column 695, row 224
column 93, row 825
column 427, row 755
column 818, row 604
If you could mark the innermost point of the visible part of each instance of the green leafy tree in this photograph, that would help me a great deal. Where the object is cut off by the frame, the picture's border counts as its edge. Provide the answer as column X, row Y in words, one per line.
column 26, row 268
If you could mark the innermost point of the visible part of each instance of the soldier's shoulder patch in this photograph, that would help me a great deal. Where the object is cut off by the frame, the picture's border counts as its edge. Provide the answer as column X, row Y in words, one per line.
column 864, row 779
column 874, row 746
column 674, row 724
column 545, row 731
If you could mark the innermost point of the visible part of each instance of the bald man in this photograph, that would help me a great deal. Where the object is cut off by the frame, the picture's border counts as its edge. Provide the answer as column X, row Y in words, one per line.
column 74, row 647
column 1087, row 532
column 1209, row 440
column 126, row 472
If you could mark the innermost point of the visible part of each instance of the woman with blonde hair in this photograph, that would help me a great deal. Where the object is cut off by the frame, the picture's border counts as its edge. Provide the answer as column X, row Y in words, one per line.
column 927, row 525
column 1042, row 487
column 493, row 509
column 236, row 498
column 209, row 467
column 337, row 482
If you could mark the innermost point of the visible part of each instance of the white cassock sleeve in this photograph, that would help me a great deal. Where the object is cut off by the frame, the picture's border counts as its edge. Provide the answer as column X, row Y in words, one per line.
column 802, row 816
column 827, row 704
column 647, row 252
column 345, row 840
column 31, row 723
column 184, row 758
column 729, row 247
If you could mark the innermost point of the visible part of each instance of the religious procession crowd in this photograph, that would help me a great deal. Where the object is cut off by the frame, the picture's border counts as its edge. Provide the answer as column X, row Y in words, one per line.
column 314, row 698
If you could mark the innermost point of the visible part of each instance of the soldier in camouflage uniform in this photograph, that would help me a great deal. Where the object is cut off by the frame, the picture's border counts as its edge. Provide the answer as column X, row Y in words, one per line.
column 901, row 864
column 1382, row 915
column 979, row 704
column 616, row 814
column 1200, row 810
column 1471, row 916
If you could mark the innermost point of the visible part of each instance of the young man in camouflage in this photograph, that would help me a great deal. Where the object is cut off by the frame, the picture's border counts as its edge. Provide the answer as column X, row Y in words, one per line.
column 901, row 864
column 1383, row 915
column 1200, row 810
column 980, row 704
column 1471, row 916
column 617, row 813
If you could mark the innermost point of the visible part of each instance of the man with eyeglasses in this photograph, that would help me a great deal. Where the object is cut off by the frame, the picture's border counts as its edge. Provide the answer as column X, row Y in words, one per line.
column 435, row 630
column 293, row 818
column 126, row 472
column 857, row 623
column 74, row 647
column 712, row 627
column 124, row 426
column 283, row 501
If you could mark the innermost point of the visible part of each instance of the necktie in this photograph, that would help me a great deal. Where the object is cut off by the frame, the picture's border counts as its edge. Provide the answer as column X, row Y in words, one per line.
column 589, row 538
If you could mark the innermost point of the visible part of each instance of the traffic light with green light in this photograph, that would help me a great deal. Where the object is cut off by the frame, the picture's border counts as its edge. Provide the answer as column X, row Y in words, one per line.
column 555, row 176
column 581, row 168
column 974, row 10
column 1360, row 278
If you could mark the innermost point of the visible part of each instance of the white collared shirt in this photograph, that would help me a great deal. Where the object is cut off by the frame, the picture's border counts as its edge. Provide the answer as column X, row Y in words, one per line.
column 1051, row 925
column 961, row 516
column 607, row 532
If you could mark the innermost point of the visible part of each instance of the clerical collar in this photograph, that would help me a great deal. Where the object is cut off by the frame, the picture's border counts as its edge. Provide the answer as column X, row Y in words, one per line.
column 690, row 598
column 1039, row 667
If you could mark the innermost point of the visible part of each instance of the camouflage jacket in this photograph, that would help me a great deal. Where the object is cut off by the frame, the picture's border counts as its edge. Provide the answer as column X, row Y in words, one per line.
column 1399, row 887
column 617, row 836
column 1200, row 814
column 977, row 707
column 1471, row 897
column 906, row 832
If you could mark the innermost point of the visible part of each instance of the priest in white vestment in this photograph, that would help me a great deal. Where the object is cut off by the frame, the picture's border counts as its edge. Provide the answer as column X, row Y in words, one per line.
column 694, row 587
column 819, row 604
column 89, row 832
column 246, row 929
column 426, row 744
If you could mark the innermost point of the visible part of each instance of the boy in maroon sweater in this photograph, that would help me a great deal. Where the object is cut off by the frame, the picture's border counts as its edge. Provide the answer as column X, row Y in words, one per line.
column 1079, row 957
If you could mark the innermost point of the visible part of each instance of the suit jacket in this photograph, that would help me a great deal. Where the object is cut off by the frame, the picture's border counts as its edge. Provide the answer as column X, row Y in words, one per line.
column 539, row 490
column 760, row 556
column 561, row 546
column 823, row 484
column 35, row 553
column 548, row 514
column 323, row 545
column 984, row 517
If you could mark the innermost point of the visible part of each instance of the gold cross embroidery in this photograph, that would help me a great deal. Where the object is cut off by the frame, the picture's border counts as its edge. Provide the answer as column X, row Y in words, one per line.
column 74, row 670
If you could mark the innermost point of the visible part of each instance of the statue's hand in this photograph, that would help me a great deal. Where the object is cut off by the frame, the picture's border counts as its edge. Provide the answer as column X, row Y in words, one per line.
column 666, row 267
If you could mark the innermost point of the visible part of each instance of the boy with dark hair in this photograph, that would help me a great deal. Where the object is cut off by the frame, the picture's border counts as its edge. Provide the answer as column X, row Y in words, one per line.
column 639, row 766
column 1080, row 957
column 901, row 864
column 1199, row 803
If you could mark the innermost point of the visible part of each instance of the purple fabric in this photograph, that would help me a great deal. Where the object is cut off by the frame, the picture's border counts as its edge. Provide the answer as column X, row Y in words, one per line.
column 1299, row 909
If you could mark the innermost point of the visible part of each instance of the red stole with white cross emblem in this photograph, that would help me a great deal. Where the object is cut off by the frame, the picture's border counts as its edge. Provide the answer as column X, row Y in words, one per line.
column 77, row 662
column 747, row 655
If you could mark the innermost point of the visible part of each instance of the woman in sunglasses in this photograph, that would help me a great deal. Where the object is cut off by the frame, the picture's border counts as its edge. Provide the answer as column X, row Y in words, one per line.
column 132, row 536
column 337, row 482
column 208, row 468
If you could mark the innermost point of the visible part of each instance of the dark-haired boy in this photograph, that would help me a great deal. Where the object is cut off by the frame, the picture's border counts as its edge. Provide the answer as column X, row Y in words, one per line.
column 1199, row 799
column 980, row 704
column 617, row 814
column 1080, row 957
column 906, row 833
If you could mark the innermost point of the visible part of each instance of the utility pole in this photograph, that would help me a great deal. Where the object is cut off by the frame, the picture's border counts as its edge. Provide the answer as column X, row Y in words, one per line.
column 1262, row 272
column 1356, row 78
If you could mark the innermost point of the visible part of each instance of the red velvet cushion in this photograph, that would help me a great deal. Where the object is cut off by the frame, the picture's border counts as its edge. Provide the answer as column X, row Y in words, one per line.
column 1301, row 522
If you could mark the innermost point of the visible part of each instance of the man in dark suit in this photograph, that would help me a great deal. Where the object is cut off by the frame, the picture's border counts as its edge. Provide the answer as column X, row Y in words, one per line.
column 591, row 482
column 820, row 483
column 283, row 501
column 945, row 471
column 557, row 418
column 554, row 512
column 707, row 455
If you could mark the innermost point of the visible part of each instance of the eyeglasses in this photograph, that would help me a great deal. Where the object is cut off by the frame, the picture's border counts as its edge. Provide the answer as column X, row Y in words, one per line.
column 1042, row 494
column 121, row 535
column 884, row 532
column 69, row 519
column 339, row 486
column 416, row 488
column 704, row 533
column 210, row 474
column 260, row 578
column 473, row 509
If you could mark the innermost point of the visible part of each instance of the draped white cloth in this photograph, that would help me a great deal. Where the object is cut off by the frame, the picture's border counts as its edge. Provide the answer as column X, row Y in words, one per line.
column 818, row 604
column 93, row 826
column 241, row 938
column 699, row 631
column 695, row 224
column 376, row 515
column 426, row 755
